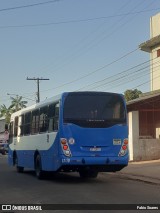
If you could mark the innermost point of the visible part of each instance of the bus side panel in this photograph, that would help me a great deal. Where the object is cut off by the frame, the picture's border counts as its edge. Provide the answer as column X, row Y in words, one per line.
column 10, row 156
column 50, row 158
column 46, row 145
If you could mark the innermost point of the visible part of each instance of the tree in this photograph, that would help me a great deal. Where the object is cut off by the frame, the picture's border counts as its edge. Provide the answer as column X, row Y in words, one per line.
column 17, row 103
column 6, row 112
column 132, row 94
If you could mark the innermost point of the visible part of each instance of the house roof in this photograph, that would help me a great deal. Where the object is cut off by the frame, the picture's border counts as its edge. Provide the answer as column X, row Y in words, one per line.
column 146, row 101
column 145, row 96
column 147, row 46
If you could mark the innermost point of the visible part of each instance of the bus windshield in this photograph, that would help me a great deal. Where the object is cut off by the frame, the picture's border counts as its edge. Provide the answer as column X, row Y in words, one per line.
column 94, row 109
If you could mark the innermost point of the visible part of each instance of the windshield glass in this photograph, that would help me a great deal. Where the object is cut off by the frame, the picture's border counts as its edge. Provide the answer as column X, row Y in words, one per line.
column 83, row 108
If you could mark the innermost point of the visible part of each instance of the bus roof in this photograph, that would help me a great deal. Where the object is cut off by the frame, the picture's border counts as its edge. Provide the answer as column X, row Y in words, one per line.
column 53, row 100
column 37, row 105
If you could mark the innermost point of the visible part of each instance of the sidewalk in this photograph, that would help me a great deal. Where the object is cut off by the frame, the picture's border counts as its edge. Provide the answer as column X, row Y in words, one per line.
column 146, row 171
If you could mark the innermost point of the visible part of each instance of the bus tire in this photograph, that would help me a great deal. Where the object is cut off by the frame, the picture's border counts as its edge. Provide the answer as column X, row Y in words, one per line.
column 19, row 169
column 38, row 167
column 93, row 174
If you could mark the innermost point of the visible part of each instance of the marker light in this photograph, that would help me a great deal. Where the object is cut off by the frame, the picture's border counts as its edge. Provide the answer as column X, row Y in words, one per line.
column 63, row 140
column 71, row 141
column 124, row 148
column 67, row 153
column 125, row 141
column 65, row 147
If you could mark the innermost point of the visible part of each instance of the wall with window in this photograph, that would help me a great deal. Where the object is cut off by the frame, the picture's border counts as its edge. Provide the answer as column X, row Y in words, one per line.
column 142, row 145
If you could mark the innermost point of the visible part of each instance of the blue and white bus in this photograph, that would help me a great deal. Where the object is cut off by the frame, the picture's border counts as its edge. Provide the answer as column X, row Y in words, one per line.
column 83, row 132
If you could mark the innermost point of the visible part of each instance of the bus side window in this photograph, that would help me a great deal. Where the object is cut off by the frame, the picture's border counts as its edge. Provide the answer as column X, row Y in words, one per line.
column 53, row 117
column 43, row 119
column 11, row 132
column 35, row 122
column 16, row 126
column 21, row 125
column 56, row 117
column 27, row 123
column 50, row 117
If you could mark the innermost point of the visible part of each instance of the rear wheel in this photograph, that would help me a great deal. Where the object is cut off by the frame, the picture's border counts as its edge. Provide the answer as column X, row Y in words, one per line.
column 20, row 169
column 38, row 167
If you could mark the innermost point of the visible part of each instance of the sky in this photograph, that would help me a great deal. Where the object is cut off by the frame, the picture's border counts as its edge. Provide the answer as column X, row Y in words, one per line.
column 77, row 44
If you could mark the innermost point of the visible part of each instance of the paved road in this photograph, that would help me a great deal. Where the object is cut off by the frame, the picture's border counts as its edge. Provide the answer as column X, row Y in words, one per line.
column 146, row 171
column 25, row 188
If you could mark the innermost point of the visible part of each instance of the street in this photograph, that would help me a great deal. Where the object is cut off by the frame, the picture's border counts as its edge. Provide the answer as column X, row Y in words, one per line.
column 25, row 188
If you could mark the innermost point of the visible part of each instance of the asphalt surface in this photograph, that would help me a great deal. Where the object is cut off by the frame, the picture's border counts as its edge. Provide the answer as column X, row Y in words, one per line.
column 146, row 171
column 138, row 184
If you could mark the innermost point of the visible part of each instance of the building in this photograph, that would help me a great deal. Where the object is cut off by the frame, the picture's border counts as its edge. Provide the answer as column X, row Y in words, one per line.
column 144, row 127
column 152, row 46
column 144, row 112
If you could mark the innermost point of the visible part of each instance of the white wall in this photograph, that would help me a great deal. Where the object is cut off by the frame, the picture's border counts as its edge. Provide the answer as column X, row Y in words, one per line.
column 155, row 68
column 154, row 25
column 141, row 149
column 133, row 121
column 149, row 149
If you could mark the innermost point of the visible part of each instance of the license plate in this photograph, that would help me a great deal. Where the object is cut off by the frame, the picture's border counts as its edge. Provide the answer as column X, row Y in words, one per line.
column 95, row 149
column 116, row 141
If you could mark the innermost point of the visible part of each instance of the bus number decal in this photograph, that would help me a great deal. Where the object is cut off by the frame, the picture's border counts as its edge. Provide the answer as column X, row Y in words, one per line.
column 65, row 160
column 47, row 138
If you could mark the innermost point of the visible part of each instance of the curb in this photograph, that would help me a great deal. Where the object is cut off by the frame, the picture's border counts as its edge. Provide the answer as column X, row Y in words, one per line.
column 146, row 179
column 143, row 162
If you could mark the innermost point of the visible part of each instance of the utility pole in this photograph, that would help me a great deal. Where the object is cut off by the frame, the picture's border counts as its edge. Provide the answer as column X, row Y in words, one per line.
column 38, row 91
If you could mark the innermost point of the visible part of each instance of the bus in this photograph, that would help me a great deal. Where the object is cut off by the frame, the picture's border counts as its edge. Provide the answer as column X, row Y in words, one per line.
column 84, row 132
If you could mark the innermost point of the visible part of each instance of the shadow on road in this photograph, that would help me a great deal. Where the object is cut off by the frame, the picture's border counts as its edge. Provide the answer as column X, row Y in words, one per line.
column 60, row 177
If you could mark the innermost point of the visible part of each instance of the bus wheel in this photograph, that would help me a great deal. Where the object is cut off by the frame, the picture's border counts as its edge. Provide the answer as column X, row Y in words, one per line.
column 38, row 167
column 20, row 169
column 93, row 174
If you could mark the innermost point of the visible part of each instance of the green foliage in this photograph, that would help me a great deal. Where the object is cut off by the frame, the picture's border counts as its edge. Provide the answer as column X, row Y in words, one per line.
column 6, row 112
column 16, row 105
column 132, row 94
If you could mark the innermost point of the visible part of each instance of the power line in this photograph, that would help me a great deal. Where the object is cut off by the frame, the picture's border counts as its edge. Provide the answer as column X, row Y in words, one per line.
column 71, row 21
column 92, row 43
column 93, row 72
column 121, row 75
column 133, row 78
column 130, row 79
column 146, row 82
column 28, row 5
